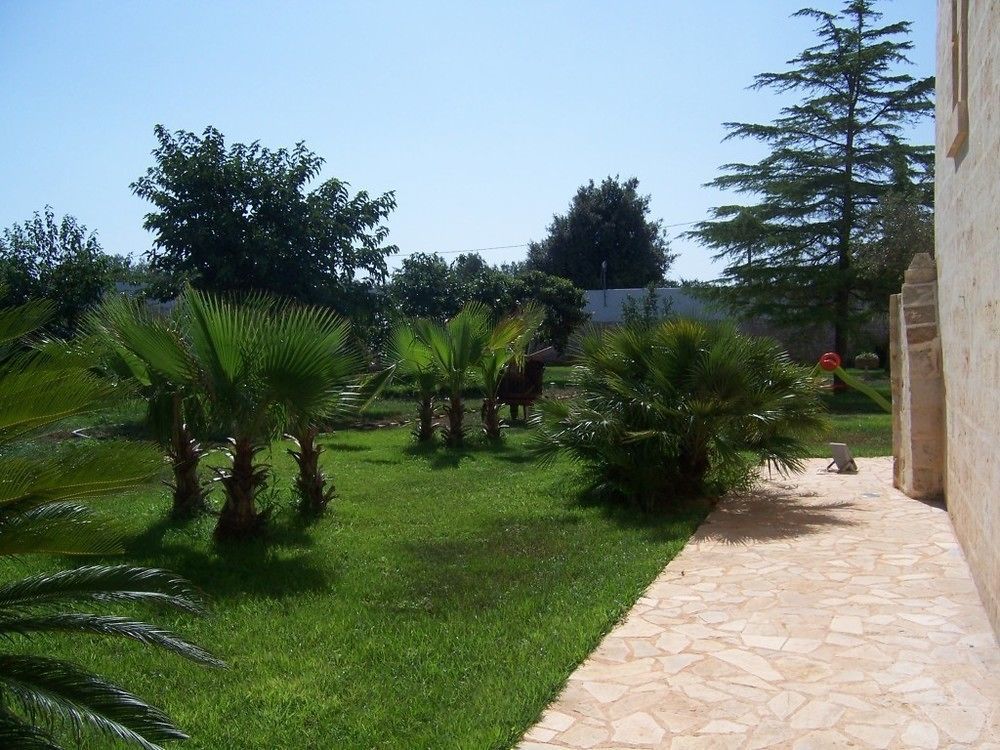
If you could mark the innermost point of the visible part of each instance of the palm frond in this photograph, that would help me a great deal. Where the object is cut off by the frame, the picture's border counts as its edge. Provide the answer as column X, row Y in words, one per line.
column 101, row 583
column 61, row 693
column 56, row 528
column 110, row 625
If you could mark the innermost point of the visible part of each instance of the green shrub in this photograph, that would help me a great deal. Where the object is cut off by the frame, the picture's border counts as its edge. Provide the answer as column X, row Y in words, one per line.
column 681, row 408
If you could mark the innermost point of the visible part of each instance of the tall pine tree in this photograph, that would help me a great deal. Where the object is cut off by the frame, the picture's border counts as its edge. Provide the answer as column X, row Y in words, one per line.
column 833, row 155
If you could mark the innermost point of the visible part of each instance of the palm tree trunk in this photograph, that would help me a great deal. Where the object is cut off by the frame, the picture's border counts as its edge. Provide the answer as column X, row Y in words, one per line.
column 456, row 416
column 314, row 495
column 188, row 490
column 242, row 481
column 491, row 418
column 425, row 431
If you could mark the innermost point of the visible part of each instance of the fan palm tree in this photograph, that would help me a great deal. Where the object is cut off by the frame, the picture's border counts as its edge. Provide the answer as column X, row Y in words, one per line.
column 507, row 343
column 312, row 370
column 41, row 512
column 264, row 366
column 665, row 408
column 151, row 352
column 455, row 348
column 414, row 360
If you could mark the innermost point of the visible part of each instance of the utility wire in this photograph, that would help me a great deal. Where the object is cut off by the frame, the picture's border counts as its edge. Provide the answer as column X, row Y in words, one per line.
column 504, row 247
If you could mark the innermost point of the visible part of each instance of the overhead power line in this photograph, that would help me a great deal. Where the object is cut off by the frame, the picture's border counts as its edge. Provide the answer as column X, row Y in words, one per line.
column 503, row 247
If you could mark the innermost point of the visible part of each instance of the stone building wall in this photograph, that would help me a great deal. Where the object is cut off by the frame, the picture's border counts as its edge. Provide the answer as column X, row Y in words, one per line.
column 967, row 249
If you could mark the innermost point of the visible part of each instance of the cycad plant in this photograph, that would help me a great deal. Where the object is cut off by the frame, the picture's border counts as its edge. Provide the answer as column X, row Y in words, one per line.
column 152, row 354
column 507, row 343
column 681, row 408
column 455, row 348
column 42, row 699
column 413, row 360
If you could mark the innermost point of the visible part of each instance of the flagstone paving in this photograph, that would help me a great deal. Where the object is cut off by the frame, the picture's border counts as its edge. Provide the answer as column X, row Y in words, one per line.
column 826, row 611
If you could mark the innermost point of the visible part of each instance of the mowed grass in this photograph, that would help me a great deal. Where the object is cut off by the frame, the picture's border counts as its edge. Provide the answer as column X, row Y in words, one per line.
column 440, row 604
column 856, row 420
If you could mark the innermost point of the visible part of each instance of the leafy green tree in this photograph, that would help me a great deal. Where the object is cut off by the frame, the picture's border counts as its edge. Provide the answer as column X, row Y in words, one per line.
column 241, row 219
column 833, row 155
column 425, row 287
column 606, row 224
column 562, row 305
column 60, row 260
column 41, row 512
column 675, row 410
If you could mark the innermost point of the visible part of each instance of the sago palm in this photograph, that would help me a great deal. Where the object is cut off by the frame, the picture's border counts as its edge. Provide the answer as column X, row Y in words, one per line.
column 677, row 408
column 42, row 699
column 455, row 347
column 151, row 353
column 507, row 342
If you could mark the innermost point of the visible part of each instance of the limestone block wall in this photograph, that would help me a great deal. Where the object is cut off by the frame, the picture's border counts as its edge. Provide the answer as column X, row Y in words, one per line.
column 918, row 443
column 967, row 249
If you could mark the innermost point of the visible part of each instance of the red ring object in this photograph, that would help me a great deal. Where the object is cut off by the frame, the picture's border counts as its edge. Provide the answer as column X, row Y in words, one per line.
column 830, row 361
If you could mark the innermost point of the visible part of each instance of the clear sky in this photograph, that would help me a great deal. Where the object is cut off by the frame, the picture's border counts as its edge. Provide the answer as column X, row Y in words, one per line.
column 483, row 117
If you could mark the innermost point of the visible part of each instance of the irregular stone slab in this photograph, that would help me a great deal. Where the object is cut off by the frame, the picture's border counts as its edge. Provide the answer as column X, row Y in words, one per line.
column 821, row 612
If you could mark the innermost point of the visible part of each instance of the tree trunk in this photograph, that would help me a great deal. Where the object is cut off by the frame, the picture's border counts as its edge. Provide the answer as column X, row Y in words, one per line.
column 185, row 454
column 242, row 481
column 188, row 490
column 425, row 431
column 491, row 418
column 314, row 495
column 456, row 415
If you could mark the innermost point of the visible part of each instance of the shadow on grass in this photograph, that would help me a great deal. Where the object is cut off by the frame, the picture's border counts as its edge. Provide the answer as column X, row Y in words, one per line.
column 771, row 514
column 276, row 564
column 488, row 566
column 480, row 570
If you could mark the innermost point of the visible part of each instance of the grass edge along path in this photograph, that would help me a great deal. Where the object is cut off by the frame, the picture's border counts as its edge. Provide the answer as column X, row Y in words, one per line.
column 442, row 603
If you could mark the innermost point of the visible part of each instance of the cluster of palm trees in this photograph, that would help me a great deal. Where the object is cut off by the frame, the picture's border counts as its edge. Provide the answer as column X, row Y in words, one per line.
column 251, row 371
column 442, row 358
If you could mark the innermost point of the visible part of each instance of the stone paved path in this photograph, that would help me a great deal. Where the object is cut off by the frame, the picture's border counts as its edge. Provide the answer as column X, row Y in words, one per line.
column 826, row 612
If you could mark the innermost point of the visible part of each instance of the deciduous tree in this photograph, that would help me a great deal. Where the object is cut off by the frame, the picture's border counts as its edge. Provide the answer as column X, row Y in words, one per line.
column 241, row 218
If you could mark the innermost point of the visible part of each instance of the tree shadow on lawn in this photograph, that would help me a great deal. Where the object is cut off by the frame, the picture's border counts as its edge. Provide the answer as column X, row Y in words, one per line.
column 440, row 456
column 483, row 568
column 479, row 570
column 273, row 565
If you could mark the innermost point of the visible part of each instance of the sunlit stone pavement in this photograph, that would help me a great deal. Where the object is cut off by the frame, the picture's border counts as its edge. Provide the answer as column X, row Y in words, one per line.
column 825, row 612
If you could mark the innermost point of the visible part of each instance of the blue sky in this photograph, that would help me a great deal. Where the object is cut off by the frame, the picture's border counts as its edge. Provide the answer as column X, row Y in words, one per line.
column 483, row 117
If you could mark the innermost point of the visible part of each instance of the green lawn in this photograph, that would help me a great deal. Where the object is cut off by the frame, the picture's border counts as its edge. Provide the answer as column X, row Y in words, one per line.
column 441, row 603
column 857, row 421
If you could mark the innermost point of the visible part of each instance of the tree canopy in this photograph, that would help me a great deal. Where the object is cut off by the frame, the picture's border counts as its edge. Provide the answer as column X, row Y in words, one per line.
column 606, row 223
column 241, row 218
column 833, row 156
column 426, row 286
column 55, row 259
